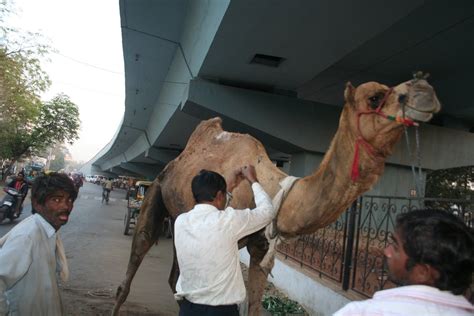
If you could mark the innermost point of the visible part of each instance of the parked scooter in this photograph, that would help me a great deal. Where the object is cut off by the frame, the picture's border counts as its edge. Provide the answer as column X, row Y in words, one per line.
column 9, row 204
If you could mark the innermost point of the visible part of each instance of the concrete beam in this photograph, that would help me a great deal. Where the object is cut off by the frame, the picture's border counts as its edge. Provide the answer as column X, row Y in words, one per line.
column 284, row 123
column 146, row 170
column 292, row 125
column 161, row 155
column 112, row 162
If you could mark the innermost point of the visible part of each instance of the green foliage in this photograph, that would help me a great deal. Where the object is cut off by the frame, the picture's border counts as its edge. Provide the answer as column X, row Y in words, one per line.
column 57, row 122
column 22, row 79
column 454, row 183
column 27, row 125
column 282, row 306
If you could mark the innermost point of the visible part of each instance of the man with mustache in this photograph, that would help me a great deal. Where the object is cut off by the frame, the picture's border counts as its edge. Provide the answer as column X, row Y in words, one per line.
column 32, row 255
column 431, row 255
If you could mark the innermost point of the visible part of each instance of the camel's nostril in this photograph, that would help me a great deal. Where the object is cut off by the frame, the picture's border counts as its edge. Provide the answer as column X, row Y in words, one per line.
column 402, row 98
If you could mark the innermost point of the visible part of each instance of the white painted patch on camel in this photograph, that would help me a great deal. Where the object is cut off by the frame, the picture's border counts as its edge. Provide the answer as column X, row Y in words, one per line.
column 224, row 136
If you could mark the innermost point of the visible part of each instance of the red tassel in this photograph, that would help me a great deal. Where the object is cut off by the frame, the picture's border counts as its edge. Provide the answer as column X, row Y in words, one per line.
column 355, row 163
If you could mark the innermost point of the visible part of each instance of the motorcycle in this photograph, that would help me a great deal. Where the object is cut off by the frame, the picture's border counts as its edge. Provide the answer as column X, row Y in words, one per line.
column 77, row 179
column 9, row 204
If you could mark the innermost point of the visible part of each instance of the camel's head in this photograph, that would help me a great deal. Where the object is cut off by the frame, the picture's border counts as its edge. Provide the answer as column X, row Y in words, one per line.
column 377, row 113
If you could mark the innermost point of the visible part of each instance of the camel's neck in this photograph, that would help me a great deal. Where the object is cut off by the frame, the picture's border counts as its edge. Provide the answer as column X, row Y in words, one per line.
column 319, row 199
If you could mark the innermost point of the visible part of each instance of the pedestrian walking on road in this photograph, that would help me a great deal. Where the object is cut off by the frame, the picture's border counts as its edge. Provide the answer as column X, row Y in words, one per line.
column 107, row 187
column 32, row 255
column 206, row 240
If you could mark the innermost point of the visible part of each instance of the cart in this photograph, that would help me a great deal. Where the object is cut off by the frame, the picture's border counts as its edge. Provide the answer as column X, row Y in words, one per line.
column 135, row 195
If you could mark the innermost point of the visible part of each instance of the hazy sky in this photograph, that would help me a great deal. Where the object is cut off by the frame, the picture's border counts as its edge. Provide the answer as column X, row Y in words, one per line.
column 86, row 35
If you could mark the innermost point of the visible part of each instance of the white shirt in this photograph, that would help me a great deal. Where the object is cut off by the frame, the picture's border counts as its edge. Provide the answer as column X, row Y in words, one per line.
column 28, row 270
column 410, row 300
column 207, row 251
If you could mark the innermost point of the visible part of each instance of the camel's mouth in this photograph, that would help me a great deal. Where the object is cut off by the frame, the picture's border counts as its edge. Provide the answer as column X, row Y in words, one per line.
column 418, row 100
column 415, row 115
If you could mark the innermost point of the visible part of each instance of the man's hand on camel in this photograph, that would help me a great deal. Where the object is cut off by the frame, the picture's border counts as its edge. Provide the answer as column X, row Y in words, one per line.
column 249, row 173
column 234, row 180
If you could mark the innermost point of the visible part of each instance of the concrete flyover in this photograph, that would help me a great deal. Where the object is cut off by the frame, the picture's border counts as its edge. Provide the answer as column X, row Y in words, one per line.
column 277, row 69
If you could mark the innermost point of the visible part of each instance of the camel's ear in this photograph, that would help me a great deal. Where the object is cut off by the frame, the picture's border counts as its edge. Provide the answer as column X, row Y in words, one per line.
column 349, row 93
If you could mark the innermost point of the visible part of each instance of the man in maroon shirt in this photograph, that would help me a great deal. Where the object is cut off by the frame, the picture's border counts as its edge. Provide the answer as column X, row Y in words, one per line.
column 21, row 186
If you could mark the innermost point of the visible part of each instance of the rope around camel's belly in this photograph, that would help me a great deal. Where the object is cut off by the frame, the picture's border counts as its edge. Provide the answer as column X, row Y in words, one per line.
column 271, row 231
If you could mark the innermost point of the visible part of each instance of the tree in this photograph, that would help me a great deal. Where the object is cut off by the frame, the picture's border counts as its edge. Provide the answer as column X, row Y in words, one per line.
column 57, row 122
column 22, row 79
column 28, row 125
column 454, row 183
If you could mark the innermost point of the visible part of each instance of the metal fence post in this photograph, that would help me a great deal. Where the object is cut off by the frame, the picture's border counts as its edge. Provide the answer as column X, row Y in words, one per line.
column 350, row 246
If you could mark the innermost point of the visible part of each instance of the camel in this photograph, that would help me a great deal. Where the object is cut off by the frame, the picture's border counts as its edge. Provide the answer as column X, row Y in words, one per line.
column 370, row 125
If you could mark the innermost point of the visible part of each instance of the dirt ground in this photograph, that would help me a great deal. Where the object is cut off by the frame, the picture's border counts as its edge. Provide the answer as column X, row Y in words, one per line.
column 98, row 253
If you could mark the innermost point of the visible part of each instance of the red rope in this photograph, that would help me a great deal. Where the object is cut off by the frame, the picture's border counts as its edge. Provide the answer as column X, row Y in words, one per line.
column 360, row 139
column 355, row 173
column 355, row 163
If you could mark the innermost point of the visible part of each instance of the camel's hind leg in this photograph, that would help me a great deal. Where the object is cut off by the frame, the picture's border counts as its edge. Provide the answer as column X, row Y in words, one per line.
column 152, row 214
column 257, row 247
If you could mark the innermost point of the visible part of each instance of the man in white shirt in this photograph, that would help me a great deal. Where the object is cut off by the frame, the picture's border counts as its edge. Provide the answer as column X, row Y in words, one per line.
column 210, row 281
column 432, row 256
column 31, row 254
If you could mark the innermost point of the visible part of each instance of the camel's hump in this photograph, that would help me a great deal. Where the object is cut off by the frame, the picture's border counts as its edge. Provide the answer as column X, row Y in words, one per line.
column 215, row 122
column 208, row 129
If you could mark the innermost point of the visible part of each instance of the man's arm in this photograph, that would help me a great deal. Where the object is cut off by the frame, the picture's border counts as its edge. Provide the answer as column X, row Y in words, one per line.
column 15, row 260
column 253, row 220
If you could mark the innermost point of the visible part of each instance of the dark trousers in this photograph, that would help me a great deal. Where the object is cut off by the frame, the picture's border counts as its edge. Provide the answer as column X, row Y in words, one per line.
column 188, row 308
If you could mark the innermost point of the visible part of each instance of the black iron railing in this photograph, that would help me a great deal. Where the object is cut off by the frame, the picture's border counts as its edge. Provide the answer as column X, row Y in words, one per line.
column 350, row 251
column 322, row 251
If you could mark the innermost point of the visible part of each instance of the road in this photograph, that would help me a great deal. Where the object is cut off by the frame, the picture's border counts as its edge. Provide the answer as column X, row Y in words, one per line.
column 98, row 252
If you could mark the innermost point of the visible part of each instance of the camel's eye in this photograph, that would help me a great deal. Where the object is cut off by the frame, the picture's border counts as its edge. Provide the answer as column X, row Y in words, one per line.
column 374, row 101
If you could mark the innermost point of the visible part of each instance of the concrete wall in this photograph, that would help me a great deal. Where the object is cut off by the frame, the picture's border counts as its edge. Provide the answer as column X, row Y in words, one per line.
column 304, row 163
column 396, row 180
column 317, row 299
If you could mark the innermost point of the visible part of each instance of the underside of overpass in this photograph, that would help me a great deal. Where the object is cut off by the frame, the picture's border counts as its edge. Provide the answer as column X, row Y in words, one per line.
column 277, row 69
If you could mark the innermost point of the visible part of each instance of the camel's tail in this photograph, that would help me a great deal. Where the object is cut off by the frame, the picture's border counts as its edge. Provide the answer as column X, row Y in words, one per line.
column 147, row 230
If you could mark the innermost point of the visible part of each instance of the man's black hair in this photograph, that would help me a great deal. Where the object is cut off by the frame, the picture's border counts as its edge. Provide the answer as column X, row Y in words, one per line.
column 46, row 185
column 441, row 240
column 206, row 184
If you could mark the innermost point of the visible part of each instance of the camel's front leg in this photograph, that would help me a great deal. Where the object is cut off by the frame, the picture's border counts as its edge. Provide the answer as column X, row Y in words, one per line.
column 257, row 247
column 140, row 246
column 146, row 234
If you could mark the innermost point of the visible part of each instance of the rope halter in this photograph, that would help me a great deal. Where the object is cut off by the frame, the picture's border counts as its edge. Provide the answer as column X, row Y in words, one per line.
column 360, row 140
